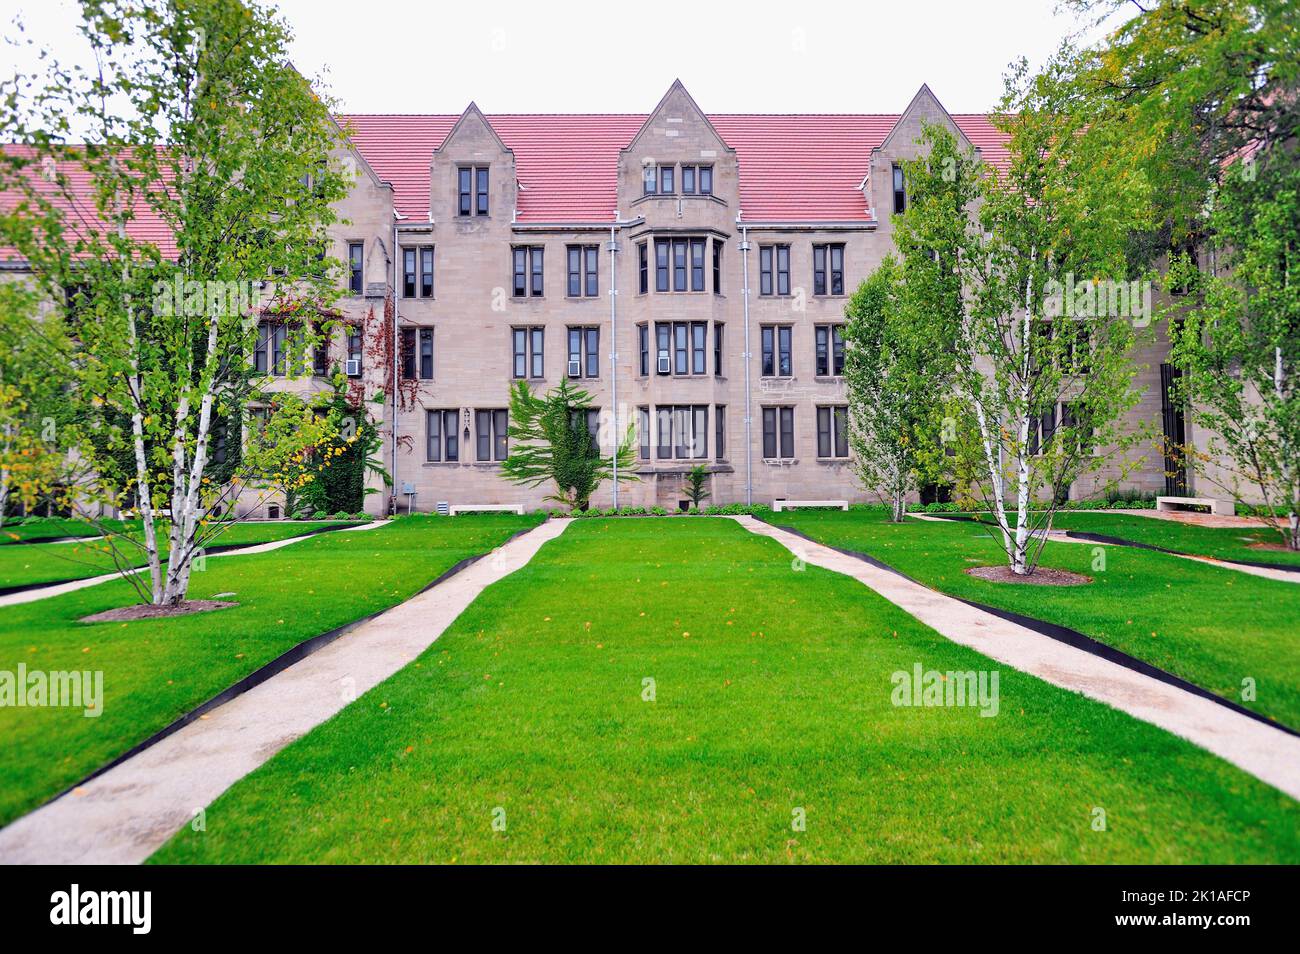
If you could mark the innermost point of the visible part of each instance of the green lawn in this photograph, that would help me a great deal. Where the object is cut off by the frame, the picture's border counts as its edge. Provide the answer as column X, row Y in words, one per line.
column 772, row 694
column 1212, row 626
column 51, row 562
column 155, row 671
column 1224, row 543
column 48, row 528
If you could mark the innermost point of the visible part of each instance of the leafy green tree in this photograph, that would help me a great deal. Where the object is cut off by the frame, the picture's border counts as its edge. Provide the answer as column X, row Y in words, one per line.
column 551, row 441
column 897, row 374
column 195, row 120
column 697, row 485
column 1041, row 349
column 1236, row 334
column 37, row 425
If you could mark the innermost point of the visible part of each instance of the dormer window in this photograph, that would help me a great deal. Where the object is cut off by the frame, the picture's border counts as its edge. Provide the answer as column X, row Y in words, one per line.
column 697, row 180
column 900, row 191
column 472, row 190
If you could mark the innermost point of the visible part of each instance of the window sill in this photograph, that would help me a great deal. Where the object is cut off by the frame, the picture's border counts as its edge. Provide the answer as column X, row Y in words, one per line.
column 833, row 460
column 829, row 378
column 441, row 463
column 780, row 461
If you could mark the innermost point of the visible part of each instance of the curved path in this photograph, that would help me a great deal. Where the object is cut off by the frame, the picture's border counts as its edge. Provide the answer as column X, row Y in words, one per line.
column 1269, row 754
column 1066, row 536
column 124, row 815
column 58, row 589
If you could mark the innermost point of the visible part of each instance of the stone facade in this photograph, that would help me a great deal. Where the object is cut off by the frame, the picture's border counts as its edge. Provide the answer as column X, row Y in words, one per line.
column 474, row 317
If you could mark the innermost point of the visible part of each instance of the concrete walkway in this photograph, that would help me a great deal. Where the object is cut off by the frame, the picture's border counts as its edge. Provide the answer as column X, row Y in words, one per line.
column 1061, row 536
column 126, row 814
column 1269, row 754
column 58, row 589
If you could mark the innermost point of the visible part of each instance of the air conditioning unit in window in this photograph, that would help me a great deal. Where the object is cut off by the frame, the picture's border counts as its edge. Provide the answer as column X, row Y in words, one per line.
column 664, row 366
column 575, row 368
column 352, row 367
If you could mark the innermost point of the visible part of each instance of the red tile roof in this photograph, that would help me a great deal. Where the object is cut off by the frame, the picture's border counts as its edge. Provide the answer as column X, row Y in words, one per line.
column 802, row 168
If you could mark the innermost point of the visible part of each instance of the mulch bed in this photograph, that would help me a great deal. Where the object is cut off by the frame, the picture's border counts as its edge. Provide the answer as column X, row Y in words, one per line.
column 127, row 614
column 1273, row 547
column 1043, row 576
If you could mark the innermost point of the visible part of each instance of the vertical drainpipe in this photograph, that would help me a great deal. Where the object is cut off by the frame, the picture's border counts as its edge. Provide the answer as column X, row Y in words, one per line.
column 613, row 342
column 396, row 346
column 749, row 416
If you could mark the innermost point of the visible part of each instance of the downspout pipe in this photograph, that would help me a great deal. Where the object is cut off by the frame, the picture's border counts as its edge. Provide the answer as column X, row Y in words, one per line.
column 749, row 414
column 613, row 340
column 613, row 332
column 397, row 344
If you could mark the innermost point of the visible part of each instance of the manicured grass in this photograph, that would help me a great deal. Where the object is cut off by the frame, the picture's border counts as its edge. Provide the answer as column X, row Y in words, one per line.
column 772, row 693
column 47, row 528
column 155, row 671
column 49, row 562
column 1210, row 625
column 1223, row 543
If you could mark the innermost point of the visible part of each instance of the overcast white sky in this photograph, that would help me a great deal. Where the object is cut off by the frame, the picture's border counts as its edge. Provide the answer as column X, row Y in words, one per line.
column 434, row 56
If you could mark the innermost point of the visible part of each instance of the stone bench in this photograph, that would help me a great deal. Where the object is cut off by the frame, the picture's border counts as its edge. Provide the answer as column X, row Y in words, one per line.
column 1221, row 507
column 779, row 505
column 482, row 508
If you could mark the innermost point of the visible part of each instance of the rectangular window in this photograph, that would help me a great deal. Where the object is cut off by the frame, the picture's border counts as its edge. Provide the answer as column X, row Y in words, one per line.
column 828, row 269
column 699, row 347
column 706, row 180
column 443, row 441
column 527, row 270
column 356, row 258
column 681, row 348
column 321, row 354
column 643, row 266
column 260, row 363
column 490, row 434
column 519, row 352
column 464, row 186
column 663, row 342
column 662, row 249
column 682, row 431
column 666, row 180
column 426, row 271
column 643, row 428
column 426, row 354
column 830, row 350
column 472, row 190
column 408, row 354
column 697, row 265
column 354, row 347
column 717, row 349
column 832, row 431
column 278, row 332
column 643, row 347
column 900, row 191
column 408, row 272
column 584, row 353
column 481, row 190
column 537, row 355
column 774, row 269
column 720, row 431
column 417, row 354
column 688, row 180
column 679, row 265
column 649, row 179
column 717, row 266
column 778, row 432
column 775, row 341
column 583, row 269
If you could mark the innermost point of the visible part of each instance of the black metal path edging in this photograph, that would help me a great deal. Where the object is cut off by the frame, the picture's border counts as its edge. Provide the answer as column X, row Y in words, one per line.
column 273, row 668
column 219, row 548
column 1071, row 637
column 1121, row 542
